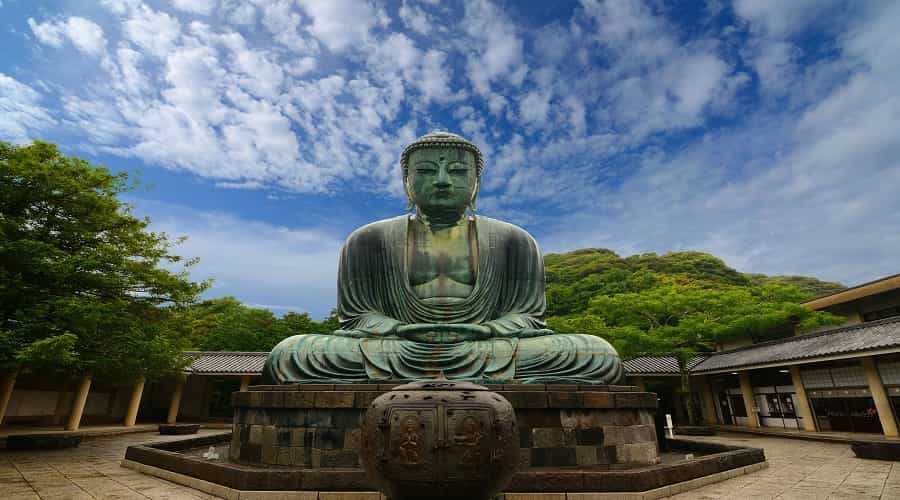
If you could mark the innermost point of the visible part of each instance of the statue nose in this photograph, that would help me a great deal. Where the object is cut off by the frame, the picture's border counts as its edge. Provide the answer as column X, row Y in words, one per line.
column 442, row 179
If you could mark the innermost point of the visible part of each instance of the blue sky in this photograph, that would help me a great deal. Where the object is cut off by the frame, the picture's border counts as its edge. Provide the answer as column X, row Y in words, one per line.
column 764, row 132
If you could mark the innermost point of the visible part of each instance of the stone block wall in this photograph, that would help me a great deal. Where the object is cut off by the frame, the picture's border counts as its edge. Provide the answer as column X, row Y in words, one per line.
column 318, row 426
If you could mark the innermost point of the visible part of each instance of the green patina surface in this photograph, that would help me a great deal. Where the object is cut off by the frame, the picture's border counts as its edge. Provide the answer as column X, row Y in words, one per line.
column 442, row 292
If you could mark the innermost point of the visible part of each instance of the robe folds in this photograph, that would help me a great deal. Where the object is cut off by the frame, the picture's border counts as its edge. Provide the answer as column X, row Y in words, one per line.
column 375, row 296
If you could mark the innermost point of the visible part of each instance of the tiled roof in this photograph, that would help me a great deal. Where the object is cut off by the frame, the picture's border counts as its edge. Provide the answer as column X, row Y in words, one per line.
column 869, row 336
column 655, row 365
column 226, row 362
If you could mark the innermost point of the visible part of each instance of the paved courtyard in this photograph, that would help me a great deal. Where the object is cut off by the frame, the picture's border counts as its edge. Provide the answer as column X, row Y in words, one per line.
column 804, row 470
column 90, row 471
column 797, row 470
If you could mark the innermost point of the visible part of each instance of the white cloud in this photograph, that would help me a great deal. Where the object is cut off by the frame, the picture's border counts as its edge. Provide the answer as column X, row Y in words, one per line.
column 240, row 185
column 495, row 50
column 85, row 35
column 120, row 7
column 534, row 107
column 657, row 84
column 341, row 24
column 416, row 18
column 154, row 31
column 21, row 114
column 283, row 23
column 202, row 7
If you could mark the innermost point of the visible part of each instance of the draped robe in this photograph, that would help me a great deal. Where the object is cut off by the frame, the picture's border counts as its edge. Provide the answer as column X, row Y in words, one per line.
column 375, row 296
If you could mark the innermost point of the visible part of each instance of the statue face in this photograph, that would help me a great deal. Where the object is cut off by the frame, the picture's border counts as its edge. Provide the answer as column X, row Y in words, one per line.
column 442, row 179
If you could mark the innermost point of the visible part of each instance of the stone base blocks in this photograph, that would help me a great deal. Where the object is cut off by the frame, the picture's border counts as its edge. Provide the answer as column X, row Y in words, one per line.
column 318, row 425
column 577, row 442
column 713, row 461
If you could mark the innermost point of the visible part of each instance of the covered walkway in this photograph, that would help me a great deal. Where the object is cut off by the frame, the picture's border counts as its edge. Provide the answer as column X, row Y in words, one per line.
column 826, row 436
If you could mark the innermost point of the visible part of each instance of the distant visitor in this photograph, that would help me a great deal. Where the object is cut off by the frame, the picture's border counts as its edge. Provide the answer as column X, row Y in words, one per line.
column 442, row 291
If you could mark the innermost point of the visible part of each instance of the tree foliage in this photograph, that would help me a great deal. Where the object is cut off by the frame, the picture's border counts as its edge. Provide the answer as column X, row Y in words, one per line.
column 81, row 277
column 679, row 302
column 574, row 278
column 225, row 324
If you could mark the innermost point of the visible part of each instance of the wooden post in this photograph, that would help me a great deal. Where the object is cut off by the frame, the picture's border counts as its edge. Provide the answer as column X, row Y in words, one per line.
column 81, row 395
column 245, row 382
column 135, row 403
column 749, row 403
column 176, row 400
column 6, row 390
column 882, row 401
column 709, row 402
column 803, row 409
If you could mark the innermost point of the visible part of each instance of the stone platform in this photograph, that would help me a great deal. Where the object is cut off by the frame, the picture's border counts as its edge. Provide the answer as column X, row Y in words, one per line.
column 173, row 461
column 318, row 425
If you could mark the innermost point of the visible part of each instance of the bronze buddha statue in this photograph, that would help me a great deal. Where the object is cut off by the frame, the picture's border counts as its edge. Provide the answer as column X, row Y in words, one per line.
column 442, row 291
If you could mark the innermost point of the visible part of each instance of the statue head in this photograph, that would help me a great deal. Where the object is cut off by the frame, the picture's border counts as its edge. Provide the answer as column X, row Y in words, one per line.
column 441, row 173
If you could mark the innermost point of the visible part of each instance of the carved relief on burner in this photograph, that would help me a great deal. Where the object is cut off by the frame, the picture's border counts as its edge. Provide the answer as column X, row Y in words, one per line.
column 410, row 447
column 468, row 436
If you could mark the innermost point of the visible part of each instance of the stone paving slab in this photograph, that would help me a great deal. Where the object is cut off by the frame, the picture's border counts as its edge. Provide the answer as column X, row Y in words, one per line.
column 798, row 470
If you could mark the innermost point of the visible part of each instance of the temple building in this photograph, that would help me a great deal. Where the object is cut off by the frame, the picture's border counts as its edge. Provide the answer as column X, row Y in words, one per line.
column 844, row 378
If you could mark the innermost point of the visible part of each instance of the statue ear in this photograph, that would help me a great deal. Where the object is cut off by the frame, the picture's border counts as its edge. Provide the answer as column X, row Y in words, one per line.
column 472, row 201
column 409, row 200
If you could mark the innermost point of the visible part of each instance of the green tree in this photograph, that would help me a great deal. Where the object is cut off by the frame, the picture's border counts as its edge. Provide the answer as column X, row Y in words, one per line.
column 84, row 285
column 300, row 323
column 225, row 324
column 575, row 278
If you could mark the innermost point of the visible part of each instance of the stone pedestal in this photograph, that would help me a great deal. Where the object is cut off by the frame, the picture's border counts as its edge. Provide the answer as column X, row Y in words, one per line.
column 318, row 425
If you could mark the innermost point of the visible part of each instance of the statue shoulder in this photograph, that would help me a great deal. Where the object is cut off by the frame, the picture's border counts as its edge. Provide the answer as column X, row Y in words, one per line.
column 507, row 231
column 377, row 231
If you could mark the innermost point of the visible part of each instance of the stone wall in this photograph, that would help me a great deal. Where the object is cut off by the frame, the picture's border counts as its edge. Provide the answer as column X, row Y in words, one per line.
column 317, row 425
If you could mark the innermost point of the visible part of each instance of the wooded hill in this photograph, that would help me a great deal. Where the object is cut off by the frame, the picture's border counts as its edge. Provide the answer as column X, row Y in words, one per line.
column 679, row 302
column 574, row 278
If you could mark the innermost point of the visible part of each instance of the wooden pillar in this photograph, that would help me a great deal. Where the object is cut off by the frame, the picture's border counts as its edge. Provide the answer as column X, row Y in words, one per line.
column 245, row 382
column 135, row 403
column 882, row 401
column 81, row 395
column 709, row 402
column 803, row 408
column 176, row 400
column 749, row 403
column 6, row 390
